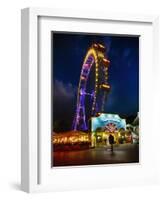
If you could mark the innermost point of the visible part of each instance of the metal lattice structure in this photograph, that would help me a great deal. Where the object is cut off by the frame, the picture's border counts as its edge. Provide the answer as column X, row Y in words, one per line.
column 95, row 57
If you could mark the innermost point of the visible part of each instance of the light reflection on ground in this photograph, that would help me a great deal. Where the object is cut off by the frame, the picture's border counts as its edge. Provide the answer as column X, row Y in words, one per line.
column 124, row 153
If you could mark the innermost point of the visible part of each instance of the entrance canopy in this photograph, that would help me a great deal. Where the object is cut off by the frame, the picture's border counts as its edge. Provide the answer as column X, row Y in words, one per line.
column 104, row 119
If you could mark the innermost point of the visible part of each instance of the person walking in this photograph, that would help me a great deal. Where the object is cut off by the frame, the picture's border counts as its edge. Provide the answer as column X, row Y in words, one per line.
column 111, row 141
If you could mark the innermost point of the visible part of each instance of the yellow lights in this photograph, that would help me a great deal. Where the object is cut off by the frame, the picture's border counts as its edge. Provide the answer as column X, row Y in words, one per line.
column 73, row 139
column 119, row 134
column 96, row 61
column 95, row 45
column 97, row 51
column 100, row 54
column 98, row 46
column 105, row 86
column 106, row 61
column 101, row 46
column 83, row 78
column 70, row 138
column 95, row 56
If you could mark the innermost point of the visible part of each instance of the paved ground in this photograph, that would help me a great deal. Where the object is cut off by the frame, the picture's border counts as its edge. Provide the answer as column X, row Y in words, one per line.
column 124, row 153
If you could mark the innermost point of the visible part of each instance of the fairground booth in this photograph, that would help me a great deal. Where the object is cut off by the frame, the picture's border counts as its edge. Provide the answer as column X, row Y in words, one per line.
column 106, row 124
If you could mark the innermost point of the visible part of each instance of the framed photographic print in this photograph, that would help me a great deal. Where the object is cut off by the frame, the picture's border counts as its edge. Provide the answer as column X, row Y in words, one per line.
column 95, row 106
column 89, row 100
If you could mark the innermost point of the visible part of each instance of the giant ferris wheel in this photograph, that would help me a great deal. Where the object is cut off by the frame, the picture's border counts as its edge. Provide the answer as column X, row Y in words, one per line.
column 97, row 64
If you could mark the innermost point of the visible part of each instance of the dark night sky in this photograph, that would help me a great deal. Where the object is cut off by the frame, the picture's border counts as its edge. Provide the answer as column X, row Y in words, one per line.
column 69, row 51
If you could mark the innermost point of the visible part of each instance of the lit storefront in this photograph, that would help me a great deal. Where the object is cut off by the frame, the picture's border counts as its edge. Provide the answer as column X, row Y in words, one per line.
column 106, row 124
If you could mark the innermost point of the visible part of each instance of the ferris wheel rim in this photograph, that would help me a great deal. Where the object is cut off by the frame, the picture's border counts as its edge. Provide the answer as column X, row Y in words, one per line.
column 94, row 56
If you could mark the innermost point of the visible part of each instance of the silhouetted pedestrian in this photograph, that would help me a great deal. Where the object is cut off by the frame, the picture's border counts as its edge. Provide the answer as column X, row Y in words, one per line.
column 111, row 141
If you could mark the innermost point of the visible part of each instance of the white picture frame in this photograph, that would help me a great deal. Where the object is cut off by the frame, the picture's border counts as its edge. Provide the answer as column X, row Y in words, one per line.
column 36, row 171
